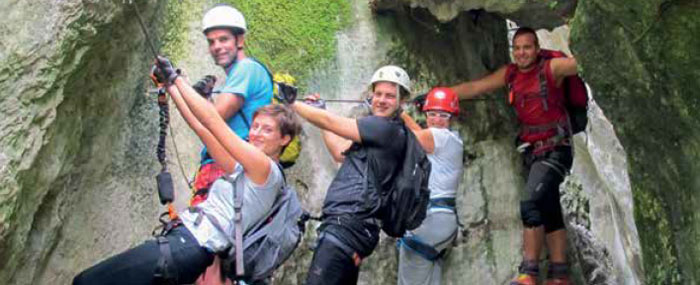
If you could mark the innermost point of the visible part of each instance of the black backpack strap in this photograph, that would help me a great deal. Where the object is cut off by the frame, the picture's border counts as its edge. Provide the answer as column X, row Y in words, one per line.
column 543, row 84
column 265, row 67
column 165, row 274
column 426, row 251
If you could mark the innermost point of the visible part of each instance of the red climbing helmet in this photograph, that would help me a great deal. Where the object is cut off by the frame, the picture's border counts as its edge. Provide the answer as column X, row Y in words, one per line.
column 442, row 99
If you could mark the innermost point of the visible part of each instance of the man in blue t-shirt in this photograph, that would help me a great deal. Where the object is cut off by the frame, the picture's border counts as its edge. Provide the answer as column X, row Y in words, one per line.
column 248, row 85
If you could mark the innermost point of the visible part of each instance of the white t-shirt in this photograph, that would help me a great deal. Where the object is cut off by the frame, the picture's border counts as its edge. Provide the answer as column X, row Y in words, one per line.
column 257, row 201
column 446, row 164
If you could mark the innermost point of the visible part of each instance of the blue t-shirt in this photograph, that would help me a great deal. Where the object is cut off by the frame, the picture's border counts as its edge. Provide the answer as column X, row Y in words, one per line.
column 250, row 80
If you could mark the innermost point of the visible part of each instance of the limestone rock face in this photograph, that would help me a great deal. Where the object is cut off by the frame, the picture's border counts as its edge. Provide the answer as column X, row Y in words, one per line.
column 78, row 136
column 641, row 58
column 544, row 14
column 78, row 133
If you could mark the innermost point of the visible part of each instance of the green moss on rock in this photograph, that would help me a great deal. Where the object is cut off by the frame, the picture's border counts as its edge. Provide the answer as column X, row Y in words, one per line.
column 178, row 16
column 637, row 55
column 288, row 36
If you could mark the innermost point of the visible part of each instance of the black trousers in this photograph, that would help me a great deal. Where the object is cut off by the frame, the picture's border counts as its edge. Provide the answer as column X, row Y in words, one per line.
column 138, row 265
column 331, row 265
column 544, row 173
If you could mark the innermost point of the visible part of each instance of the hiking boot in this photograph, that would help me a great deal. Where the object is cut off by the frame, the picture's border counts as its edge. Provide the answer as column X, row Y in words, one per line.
column 524, row 279
column 558, row 281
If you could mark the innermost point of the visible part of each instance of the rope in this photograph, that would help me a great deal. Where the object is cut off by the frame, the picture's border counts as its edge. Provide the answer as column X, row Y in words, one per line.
column 164, row 121
column 177, row 156
column 164, row 124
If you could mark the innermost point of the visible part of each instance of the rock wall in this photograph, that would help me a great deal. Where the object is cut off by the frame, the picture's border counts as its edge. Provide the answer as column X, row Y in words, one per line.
column 78, row 136
column 597, row 197
column 642, row 57
column 79, row 131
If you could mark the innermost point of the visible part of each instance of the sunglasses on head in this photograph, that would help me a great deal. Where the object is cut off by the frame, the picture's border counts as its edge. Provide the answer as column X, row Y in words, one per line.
column 443, row 115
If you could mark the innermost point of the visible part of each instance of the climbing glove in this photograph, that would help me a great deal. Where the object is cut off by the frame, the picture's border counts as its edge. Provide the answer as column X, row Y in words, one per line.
column 419, row 101
column 164, row 71
column 205, row 86
column 315, row 101
column 287, row 93
column 320, row 103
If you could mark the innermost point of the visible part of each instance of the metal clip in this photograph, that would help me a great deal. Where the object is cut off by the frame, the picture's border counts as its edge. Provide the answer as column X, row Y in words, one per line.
column 521, row 148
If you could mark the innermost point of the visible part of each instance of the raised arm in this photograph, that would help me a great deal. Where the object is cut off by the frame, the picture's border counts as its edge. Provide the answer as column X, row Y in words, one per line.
column 410, row 123
column 228, row 104
column 217, row 151
column 472, row 89
column 424, row 136
column 563, row 67
column 255, row 162
column 336, row 145
column 343, row 127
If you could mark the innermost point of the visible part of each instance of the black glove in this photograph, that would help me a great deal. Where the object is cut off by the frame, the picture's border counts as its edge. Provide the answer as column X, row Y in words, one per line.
column 157, row 77
column 419, row 101
column 320, row 103
column 168, row 73
column 287, row 93
column 205, row 85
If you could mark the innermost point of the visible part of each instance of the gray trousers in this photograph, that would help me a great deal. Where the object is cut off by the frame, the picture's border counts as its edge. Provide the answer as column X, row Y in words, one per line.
column 438, row 230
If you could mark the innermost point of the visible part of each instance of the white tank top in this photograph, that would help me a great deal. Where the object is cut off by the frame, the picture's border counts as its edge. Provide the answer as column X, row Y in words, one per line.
column 257, row 201
column 446, row 164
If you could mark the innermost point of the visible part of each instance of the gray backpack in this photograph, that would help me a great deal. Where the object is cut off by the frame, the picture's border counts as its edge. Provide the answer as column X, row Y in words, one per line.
column 256, row 253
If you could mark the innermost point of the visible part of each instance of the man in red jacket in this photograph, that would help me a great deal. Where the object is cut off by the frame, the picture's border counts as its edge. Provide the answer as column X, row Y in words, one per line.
column 536, row 92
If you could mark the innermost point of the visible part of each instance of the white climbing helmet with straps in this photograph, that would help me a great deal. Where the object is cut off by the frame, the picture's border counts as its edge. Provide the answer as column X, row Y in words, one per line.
column 393, row 74
column 224, row 16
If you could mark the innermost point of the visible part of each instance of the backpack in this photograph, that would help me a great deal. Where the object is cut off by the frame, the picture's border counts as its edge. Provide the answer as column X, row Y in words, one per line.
column 405, row 205
column 575, row 92
column 268, row 243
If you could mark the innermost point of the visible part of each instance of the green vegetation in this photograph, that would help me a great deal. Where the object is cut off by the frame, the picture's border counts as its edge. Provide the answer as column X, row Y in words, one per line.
column 178, row 16
column 637, row 53
column 286, row 35
column 657, row 238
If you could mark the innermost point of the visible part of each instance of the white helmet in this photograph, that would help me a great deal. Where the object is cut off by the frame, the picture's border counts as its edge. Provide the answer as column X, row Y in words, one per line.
column 224, row 16
column 393, row 74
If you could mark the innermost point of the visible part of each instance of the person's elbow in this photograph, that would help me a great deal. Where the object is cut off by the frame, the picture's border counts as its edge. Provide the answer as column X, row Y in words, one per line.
column 338, row 157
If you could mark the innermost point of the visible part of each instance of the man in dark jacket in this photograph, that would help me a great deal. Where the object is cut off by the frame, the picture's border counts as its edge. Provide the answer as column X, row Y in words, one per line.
column 368, row 149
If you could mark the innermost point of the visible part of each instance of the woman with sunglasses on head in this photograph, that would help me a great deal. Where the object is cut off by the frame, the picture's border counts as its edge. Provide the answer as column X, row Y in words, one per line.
column 183, row 253
column 421, row 250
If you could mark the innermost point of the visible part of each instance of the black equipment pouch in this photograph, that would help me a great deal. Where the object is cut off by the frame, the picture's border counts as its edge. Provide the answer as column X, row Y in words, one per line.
column 165, row 187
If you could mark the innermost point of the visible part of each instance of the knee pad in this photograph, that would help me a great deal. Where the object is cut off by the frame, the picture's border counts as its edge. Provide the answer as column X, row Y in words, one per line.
column 530, row 214
column 542, row 206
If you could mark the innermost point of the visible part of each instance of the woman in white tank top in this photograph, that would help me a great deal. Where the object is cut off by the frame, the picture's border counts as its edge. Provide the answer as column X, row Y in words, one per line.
column 421, row 250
